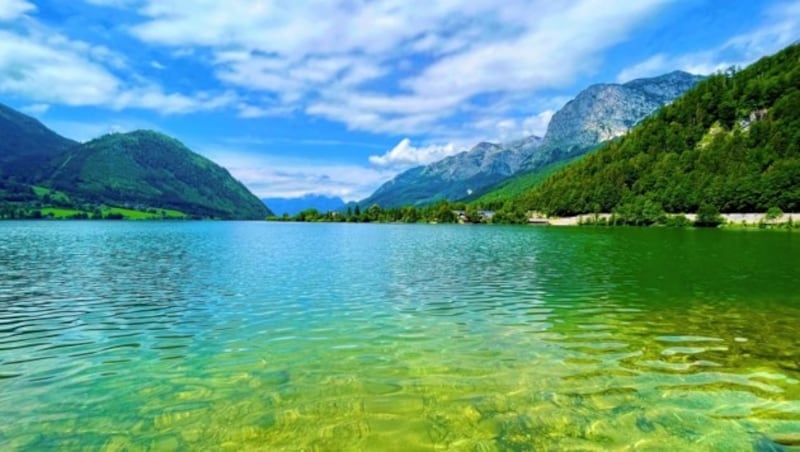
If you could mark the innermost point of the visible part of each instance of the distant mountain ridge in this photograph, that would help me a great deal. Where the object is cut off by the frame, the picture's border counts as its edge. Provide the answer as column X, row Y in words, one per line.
column 597, row 114
column 141, row 169
column 455, row 177
column 293, row 206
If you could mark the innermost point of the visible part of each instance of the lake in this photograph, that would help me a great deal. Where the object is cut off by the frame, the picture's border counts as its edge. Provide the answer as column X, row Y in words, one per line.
column 210, row 335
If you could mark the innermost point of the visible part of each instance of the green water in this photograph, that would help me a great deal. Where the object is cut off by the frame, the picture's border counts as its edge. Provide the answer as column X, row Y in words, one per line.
column 262, row 336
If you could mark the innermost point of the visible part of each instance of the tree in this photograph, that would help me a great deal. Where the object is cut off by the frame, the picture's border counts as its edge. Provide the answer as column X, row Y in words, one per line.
column 311, row 214
column 640, row 211
column 773, row 214
column 708, row 216
column 510, row 213
column 373, row 213
column 473, row 214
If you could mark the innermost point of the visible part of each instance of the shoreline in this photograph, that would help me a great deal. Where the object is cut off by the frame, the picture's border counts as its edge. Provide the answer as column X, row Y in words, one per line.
column 731, row 219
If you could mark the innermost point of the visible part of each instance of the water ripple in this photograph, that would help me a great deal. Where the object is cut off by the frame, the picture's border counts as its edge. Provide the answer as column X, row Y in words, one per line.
column 204, row 335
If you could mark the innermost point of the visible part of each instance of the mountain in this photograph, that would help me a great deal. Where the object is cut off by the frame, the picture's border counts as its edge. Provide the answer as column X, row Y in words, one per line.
column 143, row 170
column 28, row 148
column 455, row 177
column 293, row 206
column 517, row 185
column 146, row 169
column 603, row 112
column 599, row 113
column 731, row 143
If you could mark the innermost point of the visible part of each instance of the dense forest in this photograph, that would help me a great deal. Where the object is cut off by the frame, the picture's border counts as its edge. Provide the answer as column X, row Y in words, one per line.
column 731, row 144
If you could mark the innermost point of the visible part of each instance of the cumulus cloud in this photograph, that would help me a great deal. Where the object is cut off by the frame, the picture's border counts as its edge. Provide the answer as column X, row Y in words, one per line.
column 537, row 124
column 13, row 9
column 49, row 68
column 431, row 62
column 406, row 155
column 778, row 30
column 268, row 176
column 38, row 71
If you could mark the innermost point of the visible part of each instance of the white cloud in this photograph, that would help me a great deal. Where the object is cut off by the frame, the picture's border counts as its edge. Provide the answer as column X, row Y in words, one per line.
column 324, row 56
column 405, row 155
column 555, row 47
column 510, row 129
column 779, row 29
column 249, row 111
column 36, row 109
column 114, row 3
column 156, row 65
column 269, row 176
column 48, row 68
column 57, row 74
column 537, row 124
column 153, row 98
column 13, row 9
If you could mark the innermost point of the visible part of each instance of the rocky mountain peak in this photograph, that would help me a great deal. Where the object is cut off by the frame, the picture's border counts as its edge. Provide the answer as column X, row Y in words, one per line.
column 600, row 113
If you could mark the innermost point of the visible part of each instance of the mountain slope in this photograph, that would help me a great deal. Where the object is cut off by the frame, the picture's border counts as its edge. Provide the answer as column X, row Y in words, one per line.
column 293, row 206
column 148, row 169
column 732, row 142
column 27, row 148
column 598, row 114
column 455, row 177
column 518, row 185
column 606, row 111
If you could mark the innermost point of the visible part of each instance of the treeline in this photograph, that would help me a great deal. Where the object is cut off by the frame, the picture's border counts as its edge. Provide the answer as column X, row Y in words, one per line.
column 441, row 212
column 731, row 144
column 9, row 212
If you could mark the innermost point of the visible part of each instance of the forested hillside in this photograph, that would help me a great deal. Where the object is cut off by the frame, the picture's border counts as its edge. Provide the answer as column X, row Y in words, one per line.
column 732, row 142
column 145, row 168
column 141, row 174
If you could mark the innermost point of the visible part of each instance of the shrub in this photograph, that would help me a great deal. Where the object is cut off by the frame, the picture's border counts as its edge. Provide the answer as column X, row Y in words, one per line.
column 708, row 217
column 678, row 221
column 773, row 213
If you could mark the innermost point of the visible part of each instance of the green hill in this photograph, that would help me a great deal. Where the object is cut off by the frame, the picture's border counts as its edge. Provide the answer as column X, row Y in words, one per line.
column 732, row 142
column 28, row 153
column 43, row 173
column 146, row 169
column 28, row 149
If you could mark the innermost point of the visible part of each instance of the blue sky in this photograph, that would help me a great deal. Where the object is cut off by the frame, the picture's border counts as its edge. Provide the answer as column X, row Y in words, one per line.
column 337, row 96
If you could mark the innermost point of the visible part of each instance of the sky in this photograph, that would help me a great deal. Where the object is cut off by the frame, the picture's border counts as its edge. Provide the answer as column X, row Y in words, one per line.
column 336, row 97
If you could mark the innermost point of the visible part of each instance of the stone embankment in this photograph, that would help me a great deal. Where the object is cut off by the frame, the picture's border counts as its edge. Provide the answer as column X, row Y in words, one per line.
column 743, row 219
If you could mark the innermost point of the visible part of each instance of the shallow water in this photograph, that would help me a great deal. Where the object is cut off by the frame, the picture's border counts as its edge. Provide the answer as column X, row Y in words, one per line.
column 271, row 336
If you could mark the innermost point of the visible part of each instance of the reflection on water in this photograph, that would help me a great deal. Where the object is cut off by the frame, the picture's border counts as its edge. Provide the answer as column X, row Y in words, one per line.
column 282, row 336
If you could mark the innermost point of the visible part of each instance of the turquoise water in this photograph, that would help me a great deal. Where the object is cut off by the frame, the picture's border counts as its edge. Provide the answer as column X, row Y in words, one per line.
column 274, row 336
